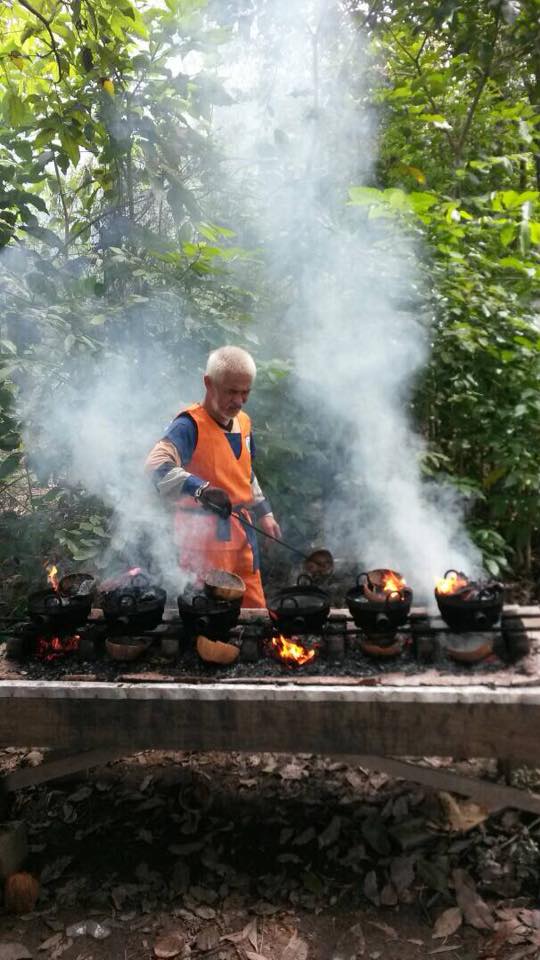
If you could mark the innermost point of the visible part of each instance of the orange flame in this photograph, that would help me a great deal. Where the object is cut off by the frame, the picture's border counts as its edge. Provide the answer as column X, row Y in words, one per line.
column 50, row 648
column 292, row 652
column 450, row 584
column 393, row 583
column 52, row 576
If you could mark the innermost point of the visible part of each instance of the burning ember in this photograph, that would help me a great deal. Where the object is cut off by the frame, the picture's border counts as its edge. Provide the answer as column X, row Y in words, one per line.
column 52, row 576
column 393, row 583
column 51, row 648
column 452, row 582
column 291, row 652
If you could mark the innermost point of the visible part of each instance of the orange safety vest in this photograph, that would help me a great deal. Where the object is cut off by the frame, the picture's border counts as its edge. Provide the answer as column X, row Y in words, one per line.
column 214, row 459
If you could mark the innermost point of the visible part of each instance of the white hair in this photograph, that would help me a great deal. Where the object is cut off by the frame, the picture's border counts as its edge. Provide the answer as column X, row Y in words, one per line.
column 230, row 360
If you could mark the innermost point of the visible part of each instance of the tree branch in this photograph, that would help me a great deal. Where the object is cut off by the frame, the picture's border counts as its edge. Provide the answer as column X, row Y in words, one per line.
column 47, row 24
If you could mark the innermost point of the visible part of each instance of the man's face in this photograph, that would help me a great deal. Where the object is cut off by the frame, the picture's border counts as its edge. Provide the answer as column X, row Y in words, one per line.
column 227, row 395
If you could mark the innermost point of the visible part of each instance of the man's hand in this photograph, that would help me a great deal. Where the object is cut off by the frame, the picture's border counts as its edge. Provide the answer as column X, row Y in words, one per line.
column 217, row 500
column 270, row 525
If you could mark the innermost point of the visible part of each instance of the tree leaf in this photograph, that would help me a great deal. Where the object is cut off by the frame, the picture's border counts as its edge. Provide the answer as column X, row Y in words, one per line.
column 448, row 923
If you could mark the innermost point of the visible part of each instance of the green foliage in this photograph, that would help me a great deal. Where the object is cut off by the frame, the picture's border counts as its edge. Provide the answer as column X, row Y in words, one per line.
column 111, row 199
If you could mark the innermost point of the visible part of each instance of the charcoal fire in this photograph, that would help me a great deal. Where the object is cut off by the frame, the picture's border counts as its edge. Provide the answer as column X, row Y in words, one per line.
column 291, row 650
column 468, row 604
column 379, row 605
column 52, row 647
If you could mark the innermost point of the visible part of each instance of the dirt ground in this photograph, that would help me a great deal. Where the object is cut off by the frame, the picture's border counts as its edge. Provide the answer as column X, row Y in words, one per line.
column 267, row 857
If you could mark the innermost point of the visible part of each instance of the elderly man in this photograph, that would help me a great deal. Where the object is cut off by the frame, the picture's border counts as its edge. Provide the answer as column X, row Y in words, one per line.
column 203, row 465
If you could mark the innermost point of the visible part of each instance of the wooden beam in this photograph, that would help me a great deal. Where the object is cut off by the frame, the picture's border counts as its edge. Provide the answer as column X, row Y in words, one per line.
column 472, row 721
column 53, row 769
column 492, row 796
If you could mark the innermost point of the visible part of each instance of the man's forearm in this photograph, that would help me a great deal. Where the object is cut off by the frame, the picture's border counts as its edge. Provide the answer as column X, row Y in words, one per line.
column 168, row 475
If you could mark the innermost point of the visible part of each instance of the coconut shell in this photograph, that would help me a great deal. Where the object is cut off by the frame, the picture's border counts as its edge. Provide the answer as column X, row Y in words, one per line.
column 373, row 649
column 224, row 585
column 469, row 649
column 21, row 892
column 215, row 651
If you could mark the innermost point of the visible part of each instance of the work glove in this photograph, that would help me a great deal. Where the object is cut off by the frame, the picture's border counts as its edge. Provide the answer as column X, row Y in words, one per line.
column 215, row 499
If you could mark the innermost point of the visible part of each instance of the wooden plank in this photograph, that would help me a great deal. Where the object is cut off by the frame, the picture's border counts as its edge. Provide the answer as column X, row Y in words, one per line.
column 55, row 768
column 473, row 721
column 492, row 796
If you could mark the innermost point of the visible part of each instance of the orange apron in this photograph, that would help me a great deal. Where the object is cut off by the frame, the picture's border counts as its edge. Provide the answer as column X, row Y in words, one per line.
column 206, row 541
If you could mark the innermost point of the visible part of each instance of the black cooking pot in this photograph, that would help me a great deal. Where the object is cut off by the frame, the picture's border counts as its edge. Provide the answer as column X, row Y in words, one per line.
column 475, row 606
column 134, row 599
column 49, row 606
column 376, row 610
column 300, row 609
column 212, row 617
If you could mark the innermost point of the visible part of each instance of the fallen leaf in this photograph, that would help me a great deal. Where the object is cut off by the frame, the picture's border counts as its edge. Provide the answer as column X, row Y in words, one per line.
column 475, row 911
column 251, row 955
column 55, row 870
column 169, row 946
column 296, row 949
column 351, row 944
column 331, row 833
column 292, row 772
column 51, row 942
column 208, row 938
column 389, row 897
column 14, row 951
column 371, row 890
column 389, row 931
column 402, row 873
column 247, row 932
column 456, row 946
column 205, row 913
column 461, row 815
column 447, row 923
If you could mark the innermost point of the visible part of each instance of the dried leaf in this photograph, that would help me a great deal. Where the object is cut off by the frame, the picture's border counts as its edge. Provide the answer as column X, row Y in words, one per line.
column 296, row 949
column 448, row 923
column 351, row 945
column 55, row 870
column 371, row 890
column 461, row 815
column 402, row 873
column 169, row 946
column 292, row 772
column 456, row 946
column 475, row 911
column 14, row 951
column 251, row 955
column 331, row 833
column 208, row 938
column 51, row 942
column 249, row 932
column 387, row 930
column 389, row 897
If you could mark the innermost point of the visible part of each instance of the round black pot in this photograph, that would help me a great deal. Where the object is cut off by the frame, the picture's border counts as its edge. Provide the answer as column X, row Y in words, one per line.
column 477, row 606
column 300, row 609
column 378, row 611
column 210, row 616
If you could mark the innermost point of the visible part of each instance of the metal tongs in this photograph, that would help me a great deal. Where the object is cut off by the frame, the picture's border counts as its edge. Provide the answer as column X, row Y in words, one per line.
column 318, row 563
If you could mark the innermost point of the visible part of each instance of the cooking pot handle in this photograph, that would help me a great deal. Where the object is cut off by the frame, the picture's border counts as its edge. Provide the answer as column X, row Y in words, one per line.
column 304, row 580
column 393, row 596
column 366, row 582
column 458, row 573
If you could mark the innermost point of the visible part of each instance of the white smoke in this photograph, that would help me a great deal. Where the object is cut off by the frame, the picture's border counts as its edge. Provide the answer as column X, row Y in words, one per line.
column 302, row 132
